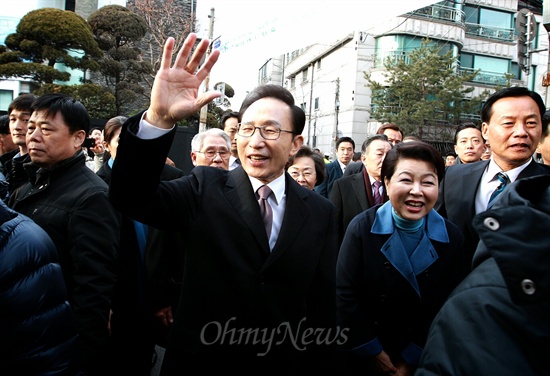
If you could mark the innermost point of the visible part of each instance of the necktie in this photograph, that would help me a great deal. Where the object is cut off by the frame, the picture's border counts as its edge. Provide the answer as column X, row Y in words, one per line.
column 265, row 209
column 504, row 180
column 377, row 196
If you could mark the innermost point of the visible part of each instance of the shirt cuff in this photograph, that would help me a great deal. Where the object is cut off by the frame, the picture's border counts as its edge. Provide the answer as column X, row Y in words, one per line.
column 148, row 131
column 371, row 348
column 411, row 354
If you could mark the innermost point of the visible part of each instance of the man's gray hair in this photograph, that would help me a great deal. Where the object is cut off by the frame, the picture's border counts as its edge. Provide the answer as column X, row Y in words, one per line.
column 198, row 141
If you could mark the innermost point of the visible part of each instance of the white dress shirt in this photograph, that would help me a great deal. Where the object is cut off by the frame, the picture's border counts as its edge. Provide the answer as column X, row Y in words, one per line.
column 489, row 182
column 277, row 201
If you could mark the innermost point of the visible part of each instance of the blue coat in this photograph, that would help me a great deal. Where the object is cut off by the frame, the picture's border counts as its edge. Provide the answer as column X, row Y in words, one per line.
column 387, row 301
column 37, row 330
column 333, row 172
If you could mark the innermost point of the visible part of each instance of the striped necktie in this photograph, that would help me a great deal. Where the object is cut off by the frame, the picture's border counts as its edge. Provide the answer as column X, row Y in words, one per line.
column 504, row 181
column 376, row 192
column 265, row 209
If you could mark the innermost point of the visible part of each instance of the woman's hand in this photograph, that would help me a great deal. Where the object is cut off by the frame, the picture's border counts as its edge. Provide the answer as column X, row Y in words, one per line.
column 383, row 364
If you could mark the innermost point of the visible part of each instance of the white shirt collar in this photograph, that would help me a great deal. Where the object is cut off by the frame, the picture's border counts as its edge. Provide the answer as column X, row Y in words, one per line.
column 493, row 168
column 342, row 166
column 277, row 186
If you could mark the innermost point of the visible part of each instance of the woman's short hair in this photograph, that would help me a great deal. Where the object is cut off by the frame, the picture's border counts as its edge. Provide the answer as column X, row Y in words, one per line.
column 112, row 125
column 306, row 151
column 421, row 151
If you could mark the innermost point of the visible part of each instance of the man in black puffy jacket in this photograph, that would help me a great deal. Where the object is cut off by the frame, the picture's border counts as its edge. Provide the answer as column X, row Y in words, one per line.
column 69, row 201
column 37, row 331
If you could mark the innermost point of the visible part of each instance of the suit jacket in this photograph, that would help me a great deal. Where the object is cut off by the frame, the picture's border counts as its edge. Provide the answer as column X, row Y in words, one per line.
column 145, row 283
column 457, row 193
column 333, row 172
column 232, row 284
column 354, row 167
column 351, row 197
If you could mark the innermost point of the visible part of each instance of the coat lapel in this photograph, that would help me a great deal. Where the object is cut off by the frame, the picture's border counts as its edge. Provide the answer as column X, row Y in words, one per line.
column 358, row 183
column 296, row 213
column 470, row 185
column 242, row 198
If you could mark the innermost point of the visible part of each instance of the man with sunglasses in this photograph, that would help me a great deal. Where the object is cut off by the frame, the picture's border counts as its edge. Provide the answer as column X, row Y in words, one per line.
column 258, row 292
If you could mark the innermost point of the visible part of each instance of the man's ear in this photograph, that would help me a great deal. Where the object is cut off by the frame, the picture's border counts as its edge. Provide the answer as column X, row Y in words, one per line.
column 78, row 138
column 484, row 130
column 297, row 142
column 194, row 158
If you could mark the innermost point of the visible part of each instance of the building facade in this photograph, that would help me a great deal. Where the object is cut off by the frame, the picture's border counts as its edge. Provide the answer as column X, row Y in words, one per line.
column 327, row 80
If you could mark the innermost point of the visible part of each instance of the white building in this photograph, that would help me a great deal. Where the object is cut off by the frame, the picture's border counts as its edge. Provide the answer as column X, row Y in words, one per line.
column 328, row 82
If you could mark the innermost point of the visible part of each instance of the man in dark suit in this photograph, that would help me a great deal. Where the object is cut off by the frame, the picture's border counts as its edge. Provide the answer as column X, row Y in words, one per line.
column 356, row 193
column 394, row 135
column 255, row 297
column 345, row 147
column 512, row 125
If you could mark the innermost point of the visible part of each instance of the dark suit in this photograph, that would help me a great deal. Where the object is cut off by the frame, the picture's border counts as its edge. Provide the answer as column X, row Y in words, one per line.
column 354, row 167
column 351, row 197
column 232, row 285
column 457, row 194
column 333, row 172
column 146, row 282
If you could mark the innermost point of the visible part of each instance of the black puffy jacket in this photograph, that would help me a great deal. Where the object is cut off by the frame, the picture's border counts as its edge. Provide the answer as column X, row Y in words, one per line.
column 37, row 330
column 497, row 321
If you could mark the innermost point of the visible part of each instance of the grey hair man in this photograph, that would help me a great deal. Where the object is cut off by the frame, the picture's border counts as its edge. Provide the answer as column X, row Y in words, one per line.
column 211, row 147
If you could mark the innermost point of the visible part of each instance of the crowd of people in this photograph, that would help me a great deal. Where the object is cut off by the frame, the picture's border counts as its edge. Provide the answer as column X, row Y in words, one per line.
column 267, row 257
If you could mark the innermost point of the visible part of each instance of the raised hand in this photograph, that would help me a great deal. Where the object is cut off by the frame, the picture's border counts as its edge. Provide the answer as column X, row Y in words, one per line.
column 175, row 94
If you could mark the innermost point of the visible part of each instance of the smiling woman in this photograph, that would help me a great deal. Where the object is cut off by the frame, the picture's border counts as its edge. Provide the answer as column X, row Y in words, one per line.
column 384, row 261
column 307, row 167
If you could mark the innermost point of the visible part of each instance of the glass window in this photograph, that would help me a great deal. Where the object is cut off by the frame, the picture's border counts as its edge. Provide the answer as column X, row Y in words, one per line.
column 6, row 96
column 491, row 64
column 471, row 14
column 514, row 69
column 495, row 18
column 466, row 61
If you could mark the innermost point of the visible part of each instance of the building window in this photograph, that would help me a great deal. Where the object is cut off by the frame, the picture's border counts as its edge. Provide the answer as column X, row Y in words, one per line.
column 6, row 96
column 492, row 70
column 304, row 75
column 292, row 82
column 316, row 104
column 488, row 17
column 318, row 64
column 515, row 70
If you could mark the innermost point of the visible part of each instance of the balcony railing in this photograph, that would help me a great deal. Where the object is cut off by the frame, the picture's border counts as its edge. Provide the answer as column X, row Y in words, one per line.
column 441, row 12
column 486, row 77
column 497, row 33
column 394, row 56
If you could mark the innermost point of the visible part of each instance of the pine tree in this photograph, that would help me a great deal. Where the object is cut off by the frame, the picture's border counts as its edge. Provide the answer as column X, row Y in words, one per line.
column 424, row 88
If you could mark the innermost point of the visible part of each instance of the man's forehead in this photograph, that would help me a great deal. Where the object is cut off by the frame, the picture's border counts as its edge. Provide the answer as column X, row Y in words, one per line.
column 213, row 140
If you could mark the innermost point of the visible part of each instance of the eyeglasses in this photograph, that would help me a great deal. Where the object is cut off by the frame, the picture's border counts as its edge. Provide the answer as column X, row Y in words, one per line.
column 211, row 154
column 268, row 132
